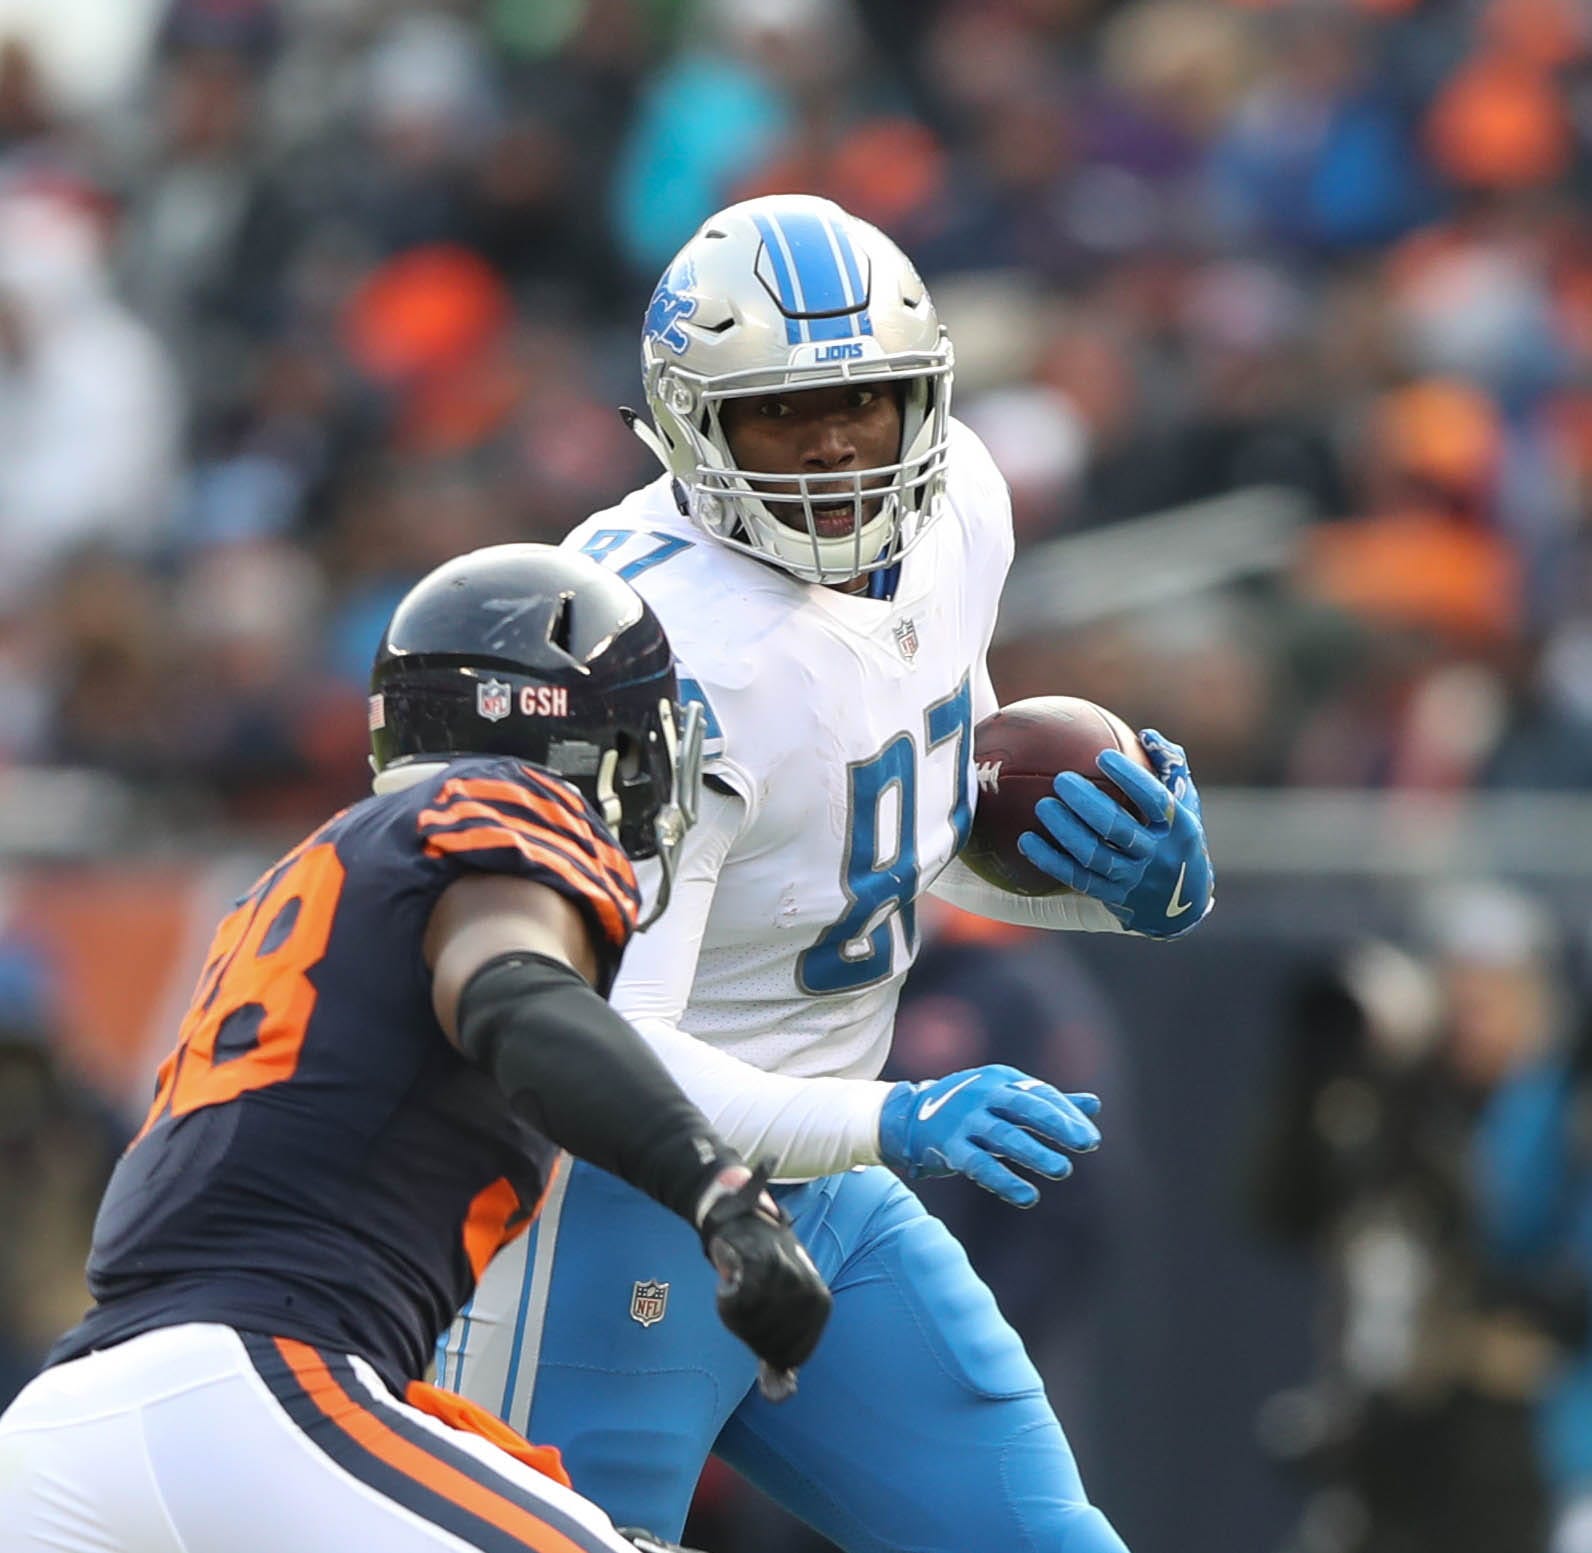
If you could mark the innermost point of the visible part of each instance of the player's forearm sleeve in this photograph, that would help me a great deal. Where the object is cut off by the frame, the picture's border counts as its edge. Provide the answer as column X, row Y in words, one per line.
column 583, row 1077
column 1066, row 912
column 808, row 1127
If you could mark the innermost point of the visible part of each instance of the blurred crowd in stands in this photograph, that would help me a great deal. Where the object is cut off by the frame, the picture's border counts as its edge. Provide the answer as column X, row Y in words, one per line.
column 1427, row 1145
column 336, row 288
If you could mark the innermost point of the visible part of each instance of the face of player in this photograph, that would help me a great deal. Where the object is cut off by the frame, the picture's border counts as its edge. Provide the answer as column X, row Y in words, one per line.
column 813, row 432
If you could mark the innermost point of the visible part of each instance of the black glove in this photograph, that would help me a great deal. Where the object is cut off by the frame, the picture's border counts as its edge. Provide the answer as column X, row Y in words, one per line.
column 770, row 1294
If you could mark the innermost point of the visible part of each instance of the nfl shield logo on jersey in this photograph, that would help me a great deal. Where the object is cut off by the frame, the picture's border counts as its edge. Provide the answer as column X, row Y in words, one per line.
column 906, row 635
column 492, row 700
column 648, row 1302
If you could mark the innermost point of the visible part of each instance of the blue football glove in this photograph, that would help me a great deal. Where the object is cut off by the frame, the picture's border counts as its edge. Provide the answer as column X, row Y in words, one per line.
column 1155, row 878
column 966, row 1123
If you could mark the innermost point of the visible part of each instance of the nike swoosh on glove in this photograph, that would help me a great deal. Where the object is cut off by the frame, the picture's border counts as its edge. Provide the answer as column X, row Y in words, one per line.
column 1154, row 876
column 968, row 1122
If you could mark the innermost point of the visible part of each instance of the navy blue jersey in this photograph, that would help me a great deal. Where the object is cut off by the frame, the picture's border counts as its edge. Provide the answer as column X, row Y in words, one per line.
column 320, row 1162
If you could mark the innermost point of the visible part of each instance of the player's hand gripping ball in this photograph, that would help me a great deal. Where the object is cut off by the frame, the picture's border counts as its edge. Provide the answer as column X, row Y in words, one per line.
column 1069, row 798
column 770, row 1294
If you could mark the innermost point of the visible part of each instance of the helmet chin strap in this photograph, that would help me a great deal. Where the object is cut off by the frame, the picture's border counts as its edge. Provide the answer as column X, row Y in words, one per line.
column 647, row 435
column 679, row 814
column 607, row 798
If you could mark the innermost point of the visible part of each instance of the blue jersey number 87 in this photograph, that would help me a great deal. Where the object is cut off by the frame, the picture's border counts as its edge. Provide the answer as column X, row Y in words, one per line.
column 857, row 949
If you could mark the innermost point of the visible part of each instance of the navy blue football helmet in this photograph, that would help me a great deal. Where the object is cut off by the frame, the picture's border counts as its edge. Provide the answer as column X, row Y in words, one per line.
column 540, row 654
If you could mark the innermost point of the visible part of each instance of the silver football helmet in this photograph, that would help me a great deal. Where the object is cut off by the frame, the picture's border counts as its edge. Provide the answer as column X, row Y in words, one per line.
column 791, row 292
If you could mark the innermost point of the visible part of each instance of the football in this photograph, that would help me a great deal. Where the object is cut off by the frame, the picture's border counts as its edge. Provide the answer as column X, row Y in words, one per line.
column 1017, row 752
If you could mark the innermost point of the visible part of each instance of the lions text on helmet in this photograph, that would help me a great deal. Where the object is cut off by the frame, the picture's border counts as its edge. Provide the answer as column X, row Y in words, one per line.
column 782, row 296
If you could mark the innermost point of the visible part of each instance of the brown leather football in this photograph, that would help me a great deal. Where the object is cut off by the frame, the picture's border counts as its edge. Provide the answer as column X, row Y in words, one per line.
column 1017, row 753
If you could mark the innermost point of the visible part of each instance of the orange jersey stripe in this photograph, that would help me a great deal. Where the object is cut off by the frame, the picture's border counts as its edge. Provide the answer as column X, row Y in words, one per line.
column 487, row 1229
column 561, row 809
column 559, row 804
column 617, row 920
column 556, row 791
column 614, row 862
column 459, row 1413
column 469, row 809
column 488, row 1226
column 362, row 1425
column 612, row 867
column 510, row 791
column 598, row 877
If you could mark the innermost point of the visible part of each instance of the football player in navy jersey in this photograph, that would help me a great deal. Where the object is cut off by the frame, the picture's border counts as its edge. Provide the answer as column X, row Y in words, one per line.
column 397, row 1031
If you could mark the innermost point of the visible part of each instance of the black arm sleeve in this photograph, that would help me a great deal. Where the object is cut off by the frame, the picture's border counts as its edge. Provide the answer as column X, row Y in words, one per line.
column 581, row 1075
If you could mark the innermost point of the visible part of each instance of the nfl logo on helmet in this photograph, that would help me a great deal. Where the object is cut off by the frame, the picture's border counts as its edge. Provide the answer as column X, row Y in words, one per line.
column 648, row 1302
column 492, row 700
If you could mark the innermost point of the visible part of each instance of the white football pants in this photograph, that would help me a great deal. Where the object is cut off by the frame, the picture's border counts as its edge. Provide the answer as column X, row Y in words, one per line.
column 200, row 1439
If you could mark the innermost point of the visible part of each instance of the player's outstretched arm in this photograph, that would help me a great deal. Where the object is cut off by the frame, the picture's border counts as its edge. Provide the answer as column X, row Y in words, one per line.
column 968, row 1123
column 805, row 1127
column 510, row 961
column 1153, row 875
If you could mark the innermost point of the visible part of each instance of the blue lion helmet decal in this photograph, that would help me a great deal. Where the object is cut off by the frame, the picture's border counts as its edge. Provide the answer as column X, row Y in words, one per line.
column 670, row 304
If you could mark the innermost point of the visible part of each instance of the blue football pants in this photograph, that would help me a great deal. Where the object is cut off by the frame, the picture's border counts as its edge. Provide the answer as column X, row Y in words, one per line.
column 919, row 1425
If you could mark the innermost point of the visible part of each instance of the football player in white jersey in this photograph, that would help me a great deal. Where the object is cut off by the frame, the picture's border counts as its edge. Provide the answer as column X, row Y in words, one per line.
column 827, row 549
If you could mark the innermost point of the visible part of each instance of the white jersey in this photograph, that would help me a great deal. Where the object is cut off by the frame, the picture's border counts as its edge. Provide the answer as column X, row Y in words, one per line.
column 844, row 726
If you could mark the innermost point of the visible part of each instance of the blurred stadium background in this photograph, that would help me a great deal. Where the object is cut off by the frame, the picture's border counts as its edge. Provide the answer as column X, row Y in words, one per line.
column 1278, row 317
